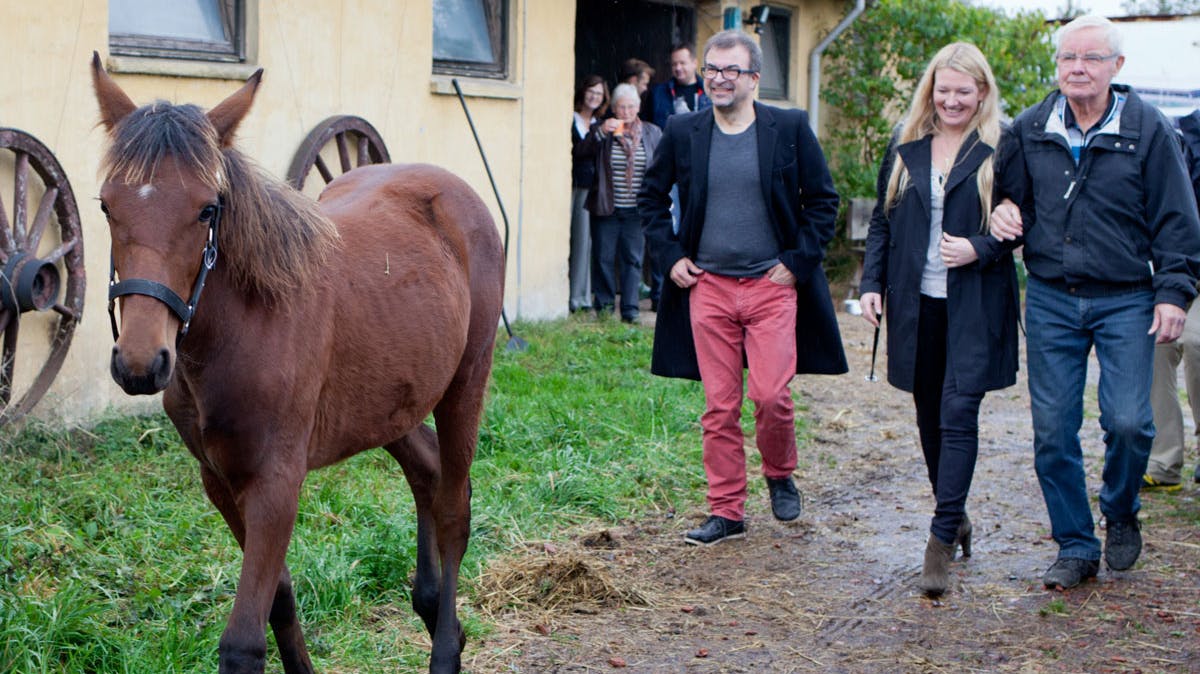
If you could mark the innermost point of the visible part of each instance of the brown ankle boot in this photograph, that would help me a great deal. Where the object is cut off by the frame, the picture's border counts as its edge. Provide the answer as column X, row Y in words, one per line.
column 936, row 574
column 964, row 536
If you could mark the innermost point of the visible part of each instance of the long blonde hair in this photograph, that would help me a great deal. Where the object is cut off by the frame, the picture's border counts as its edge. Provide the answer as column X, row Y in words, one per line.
column 922, row 120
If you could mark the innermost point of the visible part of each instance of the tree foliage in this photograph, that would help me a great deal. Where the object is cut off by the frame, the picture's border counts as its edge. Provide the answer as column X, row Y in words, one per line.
column 874, row 66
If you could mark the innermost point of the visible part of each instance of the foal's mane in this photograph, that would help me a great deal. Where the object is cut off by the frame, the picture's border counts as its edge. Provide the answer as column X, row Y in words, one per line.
column 273, row 239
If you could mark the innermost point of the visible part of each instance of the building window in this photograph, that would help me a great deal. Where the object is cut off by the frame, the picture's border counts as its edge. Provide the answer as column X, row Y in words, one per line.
column 200, row 30
column 470, row 37
column 776, row 45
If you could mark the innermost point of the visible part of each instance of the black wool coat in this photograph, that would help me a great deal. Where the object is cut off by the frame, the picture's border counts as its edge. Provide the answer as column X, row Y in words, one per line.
column 981, row 298
column 802, row 205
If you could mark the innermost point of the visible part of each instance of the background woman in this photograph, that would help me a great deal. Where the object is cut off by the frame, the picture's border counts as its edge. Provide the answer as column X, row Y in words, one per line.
column 591, row 102
column 951, row 288
column 620, row 147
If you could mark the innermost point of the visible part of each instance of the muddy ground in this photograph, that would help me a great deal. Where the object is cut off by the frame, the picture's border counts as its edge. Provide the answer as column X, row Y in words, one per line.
column 836, row 591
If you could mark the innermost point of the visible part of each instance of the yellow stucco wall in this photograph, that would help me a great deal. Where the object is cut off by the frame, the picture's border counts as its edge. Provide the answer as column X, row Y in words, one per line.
column 370, row 58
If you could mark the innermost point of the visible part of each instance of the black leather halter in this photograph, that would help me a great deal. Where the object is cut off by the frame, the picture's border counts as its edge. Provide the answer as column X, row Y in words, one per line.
column 139, row 286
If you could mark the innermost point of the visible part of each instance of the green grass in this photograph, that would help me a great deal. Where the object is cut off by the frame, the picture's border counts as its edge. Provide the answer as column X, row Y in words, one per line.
column 113, row 560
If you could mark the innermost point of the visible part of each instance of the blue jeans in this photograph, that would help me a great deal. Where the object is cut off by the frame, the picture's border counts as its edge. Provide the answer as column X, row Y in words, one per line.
column 1062, row 329
column 617, row 244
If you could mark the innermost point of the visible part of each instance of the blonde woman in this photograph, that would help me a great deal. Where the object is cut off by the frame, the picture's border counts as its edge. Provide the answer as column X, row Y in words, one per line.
column 950, row 287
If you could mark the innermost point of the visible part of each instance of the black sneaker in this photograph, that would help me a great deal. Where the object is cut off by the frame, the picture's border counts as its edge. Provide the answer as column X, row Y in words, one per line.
column 1067, row 572
column 1122, row 543
column 714, row 530
column 785, row 499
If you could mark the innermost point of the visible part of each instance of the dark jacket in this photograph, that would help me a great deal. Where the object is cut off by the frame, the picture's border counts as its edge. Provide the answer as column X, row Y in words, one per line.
column 802, row 204
column 662, row 101
column 583, row 170
column 597, row 147
column 1189, row 127
column 1099, row 227
column 981, row 298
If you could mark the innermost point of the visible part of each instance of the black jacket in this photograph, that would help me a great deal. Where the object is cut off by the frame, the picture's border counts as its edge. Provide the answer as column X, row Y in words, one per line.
column 583, row 169
column 981, row 298
column 1099, row 226
column 597, row 147
column 1189, row 127
column 801, row 202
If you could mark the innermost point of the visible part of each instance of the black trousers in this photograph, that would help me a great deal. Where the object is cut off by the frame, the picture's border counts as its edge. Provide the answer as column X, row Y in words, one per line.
column 617, row 242
column 947, row 420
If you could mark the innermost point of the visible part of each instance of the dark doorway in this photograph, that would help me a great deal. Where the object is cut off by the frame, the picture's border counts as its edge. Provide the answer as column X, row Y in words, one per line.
column 609, row 31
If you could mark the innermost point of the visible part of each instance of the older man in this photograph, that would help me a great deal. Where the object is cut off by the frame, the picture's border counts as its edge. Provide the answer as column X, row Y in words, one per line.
column 1111, row 238
column 759, row 208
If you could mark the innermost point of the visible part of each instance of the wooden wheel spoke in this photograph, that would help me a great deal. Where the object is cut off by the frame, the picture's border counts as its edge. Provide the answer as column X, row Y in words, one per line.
column 323, row 170
column 5, row 237
column 58, row 253
column 343, row 151
column 364, row 151
column 356, row 142
column 8, row 364
column 64, row 311
column 39, row 221
column 20, row 190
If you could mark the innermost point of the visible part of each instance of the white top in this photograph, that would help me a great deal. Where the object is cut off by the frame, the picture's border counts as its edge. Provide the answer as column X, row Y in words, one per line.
column 933, row 277
column 581, row 125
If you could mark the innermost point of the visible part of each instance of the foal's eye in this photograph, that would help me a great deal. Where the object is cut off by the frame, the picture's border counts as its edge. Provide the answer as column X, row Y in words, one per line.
column 104, row 209
column 208, row 213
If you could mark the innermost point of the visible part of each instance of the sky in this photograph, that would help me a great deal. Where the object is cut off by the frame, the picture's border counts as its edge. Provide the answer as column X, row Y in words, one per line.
column 1051, row 7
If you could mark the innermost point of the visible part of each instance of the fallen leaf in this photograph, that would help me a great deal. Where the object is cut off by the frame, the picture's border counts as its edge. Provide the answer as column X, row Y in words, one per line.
column 550, row 548
column 544, row 629
column 702, row 653
column 617, row 662
column 687, row 609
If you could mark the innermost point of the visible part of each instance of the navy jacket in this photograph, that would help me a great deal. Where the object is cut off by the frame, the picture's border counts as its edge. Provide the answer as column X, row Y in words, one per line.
column 801, row 202
column 662, row 101
column 981, row 298
column 1103, row 225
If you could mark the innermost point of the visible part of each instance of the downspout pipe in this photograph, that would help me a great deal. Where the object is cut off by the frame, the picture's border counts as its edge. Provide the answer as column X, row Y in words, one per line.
column 814, row 64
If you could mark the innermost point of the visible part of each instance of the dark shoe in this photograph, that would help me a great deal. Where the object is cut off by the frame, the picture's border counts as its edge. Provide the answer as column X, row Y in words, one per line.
column 1122, row 543
column 1155, row 484
column 714, row 530
column 629, row 318
column 785, row 499
column 1067, row 572
column 1196, row 473
column 964, row 536
column 935, row 576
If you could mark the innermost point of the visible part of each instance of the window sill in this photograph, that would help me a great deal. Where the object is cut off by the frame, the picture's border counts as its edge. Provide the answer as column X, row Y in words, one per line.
column 475, row 87
column 180, row 68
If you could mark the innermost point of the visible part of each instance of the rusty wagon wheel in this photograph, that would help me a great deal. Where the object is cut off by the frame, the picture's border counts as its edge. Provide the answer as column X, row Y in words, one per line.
column 356, row 142
column 42, row 279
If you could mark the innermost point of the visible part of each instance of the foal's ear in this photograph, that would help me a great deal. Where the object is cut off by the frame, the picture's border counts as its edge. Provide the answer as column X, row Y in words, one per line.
column 114, row 104
column 230, row 112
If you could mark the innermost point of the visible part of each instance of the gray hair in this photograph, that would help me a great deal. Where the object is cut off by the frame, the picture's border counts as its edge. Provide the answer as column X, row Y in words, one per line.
column 627, row 91
column 728, row 39
column 1111, row 35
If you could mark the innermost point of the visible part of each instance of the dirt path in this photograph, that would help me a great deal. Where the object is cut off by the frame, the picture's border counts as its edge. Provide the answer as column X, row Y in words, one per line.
column 836, row 592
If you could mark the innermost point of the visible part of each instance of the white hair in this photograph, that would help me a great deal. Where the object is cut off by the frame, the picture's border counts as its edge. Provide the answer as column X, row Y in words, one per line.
column 626, row 91
column 1111, row 34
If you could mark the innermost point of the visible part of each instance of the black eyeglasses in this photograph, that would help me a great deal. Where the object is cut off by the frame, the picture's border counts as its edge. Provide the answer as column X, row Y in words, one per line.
column 731, row 73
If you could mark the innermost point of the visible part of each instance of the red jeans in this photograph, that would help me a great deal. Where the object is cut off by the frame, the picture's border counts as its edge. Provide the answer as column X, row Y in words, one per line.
column 756, row 315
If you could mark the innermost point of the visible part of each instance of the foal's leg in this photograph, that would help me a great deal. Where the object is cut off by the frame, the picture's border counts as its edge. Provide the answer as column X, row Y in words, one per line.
column 457, row 417
column 264, row 587
column 417, row 453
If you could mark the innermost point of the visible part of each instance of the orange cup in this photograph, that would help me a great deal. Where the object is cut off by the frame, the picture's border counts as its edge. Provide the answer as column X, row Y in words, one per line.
column 620, row 130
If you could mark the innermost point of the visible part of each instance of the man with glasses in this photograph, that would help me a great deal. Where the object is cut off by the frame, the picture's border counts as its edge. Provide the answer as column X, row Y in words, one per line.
column 1099, row 192
column 746, row 283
